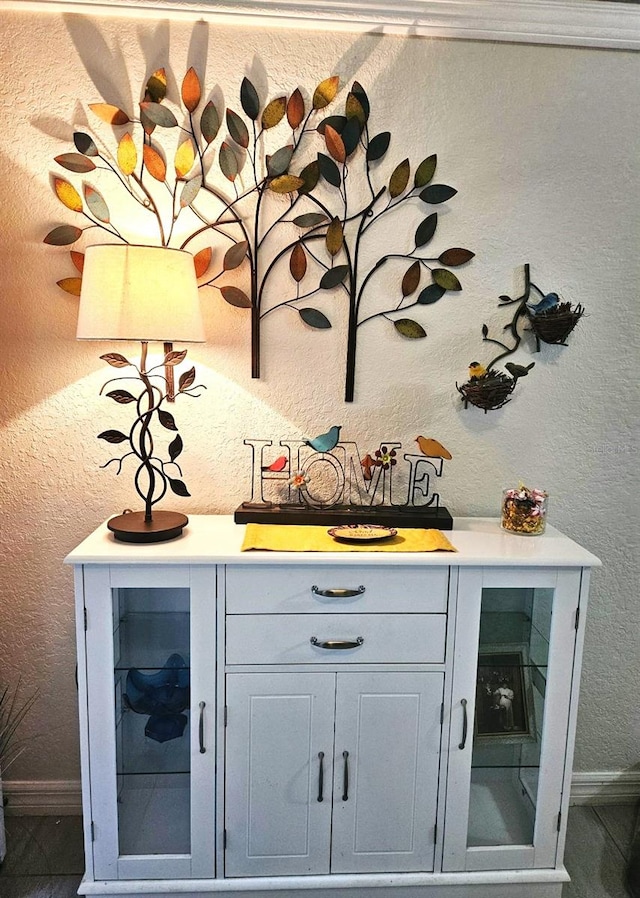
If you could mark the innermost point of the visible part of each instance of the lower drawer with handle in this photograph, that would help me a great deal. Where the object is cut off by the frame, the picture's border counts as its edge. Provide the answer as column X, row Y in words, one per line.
column 336, row 638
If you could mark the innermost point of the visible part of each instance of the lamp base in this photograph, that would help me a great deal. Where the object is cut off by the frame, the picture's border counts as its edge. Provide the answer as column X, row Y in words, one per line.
column 131, row 526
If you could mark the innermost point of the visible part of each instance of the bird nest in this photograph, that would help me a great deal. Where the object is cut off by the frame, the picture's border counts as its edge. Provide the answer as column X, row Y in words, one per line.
column 491, row 391
column 555, row 325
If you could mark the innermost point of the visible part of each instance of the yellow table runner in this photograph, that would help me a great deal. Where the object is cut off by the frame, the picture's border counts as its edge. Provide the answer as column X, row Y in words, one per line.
column 304, row 538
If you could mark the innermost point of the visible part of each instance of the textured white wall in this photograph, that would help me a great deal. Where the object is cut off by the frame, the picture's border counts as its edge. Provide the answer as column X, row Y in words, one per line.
column 542, row 145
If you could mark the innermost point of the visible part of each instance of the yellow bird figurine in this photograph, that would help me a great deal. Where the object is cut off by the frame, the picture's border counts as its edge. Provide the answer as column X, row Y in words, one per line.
column 476, row 371
column 432, row 448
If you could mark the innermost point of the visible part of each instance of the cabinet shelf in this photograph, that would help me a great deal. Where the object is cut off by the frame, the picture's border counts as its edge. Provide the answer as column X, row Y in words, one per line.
column 147, row 639
column 141, row 755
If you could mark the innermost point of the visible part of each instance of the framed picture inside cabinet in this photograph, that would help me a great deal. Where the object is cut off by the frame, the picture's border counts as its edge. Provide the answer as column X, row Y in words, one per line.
column 504, row 696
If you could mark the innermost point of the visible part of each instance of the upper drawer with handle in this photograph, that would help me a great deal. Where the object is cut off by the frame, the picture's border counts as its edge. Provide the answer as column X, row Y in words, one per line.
column 309, row 589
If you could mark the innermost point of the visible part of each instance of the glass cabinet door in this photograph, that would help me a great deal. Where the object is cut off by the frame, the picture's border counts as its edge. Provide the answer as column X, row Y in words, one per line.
column 151, row 722
column 509, row 722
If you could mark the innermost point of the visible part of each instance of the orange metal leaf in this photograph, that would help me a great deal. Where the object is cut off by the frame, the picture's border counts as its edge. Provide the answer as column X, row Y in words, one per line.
column 325, row 92
column 335, row 144
column 298, row 262
column 127, row 155
column 185, row 157
column 154, row 162
column 411, row 279
column 295, row 109
column 191, row 91
column 334, row 237
column 286, row 184
column 156, row 89
column 77, row 259
column 202, row 260
column 67, row 194
column 71, row 285
column 109, row 114
column 274, row 112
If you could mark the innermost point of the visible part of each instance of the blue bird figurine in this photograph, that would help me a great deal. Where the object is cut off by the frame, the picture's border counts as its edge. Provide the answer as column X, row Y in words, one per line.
column 326, row 441
column 548, row 302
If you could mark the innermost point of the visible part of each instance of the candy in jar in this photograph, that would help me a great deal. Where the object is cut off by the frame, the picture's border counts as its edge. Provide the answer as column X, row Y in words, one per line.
column 524, row 510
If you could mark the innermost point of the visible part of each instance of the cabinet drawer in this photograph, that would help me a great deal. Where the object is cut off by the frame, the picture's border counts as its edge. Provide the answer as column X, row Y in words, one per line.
column 286, row 638
column 275, row 589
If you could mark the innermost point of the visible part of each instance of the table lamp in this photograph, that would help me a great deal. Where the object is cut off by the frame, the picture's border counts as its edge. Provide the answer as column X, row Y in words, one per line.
column 144, row 293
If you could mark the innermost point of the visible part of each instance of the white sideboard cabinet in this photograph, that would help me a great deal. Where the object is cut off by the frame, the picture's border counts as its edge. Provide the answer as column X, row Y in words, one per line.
column 340, row 725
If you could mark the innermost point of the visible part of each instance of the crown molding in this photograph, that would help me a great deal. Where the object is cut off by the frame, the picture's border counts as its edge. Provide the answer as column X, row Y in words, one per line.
column 587, row 23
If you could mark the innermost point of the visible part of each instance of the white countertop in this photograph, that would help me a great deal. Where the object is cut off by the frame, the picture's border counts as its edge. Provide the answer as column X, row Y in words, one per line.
column 216, row 539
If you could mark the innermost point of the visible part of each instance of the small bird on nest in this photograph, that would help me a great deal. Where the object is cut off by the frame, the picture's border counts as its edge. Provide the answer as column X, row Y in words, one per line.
column 476, row 371
column 545, row 304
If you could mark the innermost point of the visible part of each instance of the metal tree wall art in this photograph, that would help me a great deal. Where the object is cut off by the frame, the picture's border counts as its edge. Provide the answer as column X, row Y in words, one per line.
column 550, row 320
column 286, row 186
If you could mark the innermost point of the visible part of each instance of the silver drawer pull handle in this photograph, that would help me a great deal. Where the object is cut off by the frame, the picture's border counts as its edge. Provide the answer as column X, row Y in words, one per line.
column 345, row 780
column 320, row 775
column 202, row 706
column 463, row 702
column 337, row 643
column 337, row 593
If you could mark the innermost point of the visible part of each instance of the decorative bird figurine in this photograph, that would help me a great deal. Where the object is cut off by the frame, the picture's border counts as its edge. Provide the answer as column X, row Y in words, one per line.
column 278, row 465
column 326, row 441
column 476, row 370
column 517, row 371
column 548, row 302
column 432, row 448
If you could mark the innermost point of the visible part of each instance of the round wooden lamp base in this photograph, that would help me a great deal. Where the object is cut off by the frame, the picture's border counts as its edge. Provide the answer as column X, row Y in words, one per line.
column 131, row 526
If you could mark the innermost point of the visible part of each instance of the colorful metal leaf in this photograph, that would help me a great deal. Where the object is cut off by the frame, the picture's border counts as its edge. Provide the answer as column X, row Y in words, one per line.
column 329, row 170
column 85, row 144
column 430, row 294
column 202, row 260
column 333, row 277
column 75, row 162
column 154, row 163
column 335, row 144
column 175, row 357
column 437, row 193
column 96, row 203
column 353, row 109
column 273, row 113
column 124, row 397
column 280, row 161
column 78, row 260
column 310, row 175
column 335, row 237
column 351, row 135
column 337, row 122
column 310, row 219
column 70, row 285
column 146, row 122
column 160, row 115
column 175, row 447
column 115, row 359
column 314, row 318
column 455, row 256
column 249, row 99
column 426, row 229
column 191, row 91
column 295, row 109
column 298, row 262
column 167, row 420
column 228, row 162
column 286, row 184
column 112, row 436
column 410, row 328
column 400, row 178
column 411, row 279
column 235, row 297
column 127, row 155
column 190, row 191
column 178, row 487
column 156, row 89
column 237, row 129
column 209, row 122
column 63, row 235
column 446, row 279
column 359, row 93
column 67, row 194
column 425, row 171
column 184, row 158
column 325, row 92
column 187, row 379
column 109, row 114
column 235, row 255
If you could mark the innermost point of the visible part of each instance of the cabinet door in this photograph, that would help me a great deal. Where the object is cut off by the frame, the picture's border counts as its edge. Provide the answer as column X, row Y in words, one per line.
column 509, row 727
column 387, row 753
column 278, row 773
column 150, row 648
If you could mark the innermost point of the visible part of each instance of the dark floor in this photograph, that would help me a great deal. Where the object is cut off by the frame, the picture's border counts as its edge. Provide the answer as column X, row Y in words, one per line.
column 45, row 859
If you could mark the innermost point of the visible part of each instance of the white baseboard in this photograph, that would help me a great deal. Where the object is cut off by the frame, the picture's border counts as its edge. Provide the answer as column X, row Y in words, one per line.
column 61, row 797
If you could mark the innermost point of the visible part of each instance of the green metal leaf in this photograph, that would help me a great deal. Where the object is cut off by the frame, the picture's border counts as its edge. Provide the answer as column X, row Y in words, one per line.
column 84, row 144
column 178, row 487
column 410, row 328
column 310, row 175
column 228, row 162
column 280, row 161
column 446, row 279
column 249, row 99
column 274, row 112
column 351, row 135
column 314, row 318
column 95, row 202
column 399, row 179
column 156, row 89
column 310, row 219
column 325, row 92
column 175, row 447
column 334, row 237
column 121, row 396
column 159, row 115
column 359, row 93
column 237, row 129
column 209, row 122
column 112, row 436
column 430, row 294
column 455, row 256
column 166, row 419
column 354, row 109
column 426, row 229
column 75, row 162
column 411, row 279
column 63, row 235
column 425, row 171
column 378, row 146
column 235, row 297
column 333, row 277
column 329, row 170
column 286, row 184
column 337, row 122
column 190, row 191
column 437, row 193
column 235, row 255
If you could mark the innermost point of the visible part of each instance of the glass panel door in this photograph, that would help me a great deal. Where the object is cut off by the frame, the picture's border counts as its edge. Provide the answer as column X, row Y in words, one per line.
column 152, row 678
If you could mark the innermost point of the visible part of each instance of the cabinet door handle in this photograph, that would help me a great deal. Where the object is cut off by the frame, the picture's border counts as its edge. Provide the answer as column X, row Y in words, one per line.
column 201, row 728
column 463, row 702
column 345, row 780
column 320, row 775
column 337, row 593
column 337, row 643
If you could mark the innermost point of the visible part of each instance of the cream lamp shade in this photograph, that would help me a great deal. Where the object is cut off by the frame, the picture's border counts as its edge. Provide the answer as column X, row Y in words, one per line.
column 146, row 293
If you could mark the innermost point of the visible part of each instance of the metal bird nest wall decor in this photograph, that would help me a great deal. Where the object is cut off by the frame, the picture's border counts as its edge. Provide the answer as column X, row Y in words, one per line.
column 550, row 320
column 279, row 191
